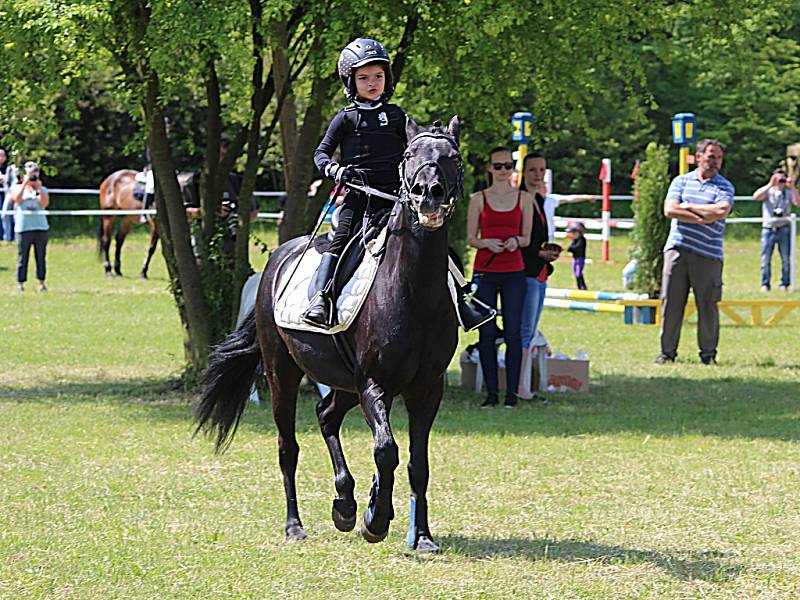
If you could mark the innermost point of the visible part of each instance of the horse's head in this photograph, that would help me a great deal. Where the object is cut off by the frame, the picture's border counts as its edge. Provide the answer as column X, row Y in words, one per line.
column 431, row 173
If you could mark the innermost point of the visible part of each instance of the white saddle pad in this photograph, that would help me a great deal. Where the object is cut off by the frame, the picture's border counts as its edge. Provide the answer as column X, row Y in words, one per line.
column 293, row 302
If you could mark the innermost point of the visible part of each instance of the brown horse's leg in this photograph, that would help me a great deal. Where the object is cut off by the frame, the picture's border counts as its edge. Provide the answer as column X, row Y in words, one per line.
column 152, row 248
column 330, row 412
column 422, row 405
column 284, row 377
column 125, row 225
column 377, row 404
column 107, row 223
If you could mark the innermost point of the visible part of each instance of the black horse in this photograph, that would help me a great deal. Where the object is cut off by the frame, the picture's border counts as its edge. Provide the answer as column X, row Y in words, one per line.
column 402, row 343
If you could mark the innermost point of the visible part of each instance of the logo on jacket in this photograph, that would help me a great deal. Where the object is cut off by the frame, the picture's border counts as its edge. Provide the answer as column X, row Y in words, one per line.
column 383, row 119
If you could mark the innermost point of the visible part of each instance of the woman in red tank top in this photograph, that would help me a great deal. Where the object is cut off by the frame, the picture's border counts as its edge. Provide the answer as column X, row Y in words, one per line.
column 499, row 223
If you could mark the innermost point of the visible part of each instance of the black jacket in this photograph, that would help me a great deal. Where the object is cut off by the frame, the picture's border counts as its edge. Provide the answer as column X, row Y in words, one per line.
column 371, row 139
column 539, row 236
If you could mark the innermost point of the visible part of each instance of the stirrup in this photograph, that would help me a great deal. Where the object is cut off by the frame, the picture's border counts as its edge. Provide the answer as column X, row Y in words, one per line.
column 475, row 313
column 320, row 298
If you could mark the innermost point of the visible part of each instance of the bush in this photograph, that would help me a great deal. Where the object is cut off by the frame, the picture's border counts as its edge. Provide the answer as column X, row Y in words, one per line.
column 652, row 227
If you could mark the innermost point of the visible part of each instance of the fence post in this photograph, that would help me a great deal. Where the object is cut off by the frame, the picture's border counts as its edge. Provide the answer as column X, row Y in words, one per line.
column 793, row 251
column 605, row 177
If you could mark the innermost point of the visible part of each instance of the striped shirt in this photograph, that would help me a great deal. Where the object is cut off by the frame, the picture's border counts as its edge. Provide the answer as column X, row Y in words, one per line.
column 705, row 240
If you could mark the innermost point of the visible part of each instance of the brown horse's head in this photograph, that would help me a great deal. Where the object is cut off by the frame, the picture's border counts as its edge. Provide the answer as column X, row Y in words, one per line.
column 431, row 173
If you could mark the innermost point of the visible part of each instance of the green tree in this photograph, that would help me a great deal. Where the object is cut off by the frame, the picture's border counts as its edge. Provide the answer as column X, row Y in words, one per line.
column 652, row 227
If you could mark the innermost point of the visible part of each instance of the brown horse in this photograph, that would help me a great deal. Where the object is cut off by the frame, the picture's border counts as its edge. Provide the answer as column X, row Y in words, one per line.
column 116, row 193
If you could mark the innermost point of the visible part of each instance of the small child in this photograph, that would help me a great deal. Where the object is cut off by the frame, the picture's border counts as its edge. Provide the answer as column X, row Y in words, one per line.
column 578, row 250
column 371, row 134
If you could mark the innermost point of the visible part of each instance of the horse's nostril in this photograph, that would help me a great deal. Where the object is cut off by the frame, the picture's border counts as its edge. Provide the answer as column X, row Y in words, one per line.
column 437, row 191
column 417, row 190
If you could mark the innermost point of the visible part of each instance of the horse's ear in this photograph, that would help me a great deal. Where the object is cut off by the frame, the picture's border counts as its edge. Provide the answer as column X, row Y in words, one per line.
column 412, row 129
column 454, row 128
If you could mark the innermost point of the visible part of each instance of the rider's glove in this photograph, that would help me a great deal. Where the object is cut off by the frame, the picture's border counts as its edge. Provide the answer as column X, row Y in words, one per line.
column 339, row 173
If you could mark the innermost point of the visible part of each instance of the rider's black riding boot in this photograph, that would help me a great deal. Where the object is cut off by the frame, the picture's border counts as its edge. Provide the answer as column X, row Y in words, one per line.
column 472, row 313
column 318, row 313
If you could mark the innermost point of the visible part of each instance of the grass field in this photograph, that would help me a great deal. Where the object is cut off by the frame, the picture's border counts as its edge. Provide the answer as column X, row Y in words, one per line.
column 661, row 482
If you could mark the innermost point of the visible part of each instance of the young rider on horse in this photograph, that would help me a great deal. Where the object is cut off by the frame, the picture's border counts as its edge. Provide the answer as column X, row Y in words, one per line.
column 371, row 134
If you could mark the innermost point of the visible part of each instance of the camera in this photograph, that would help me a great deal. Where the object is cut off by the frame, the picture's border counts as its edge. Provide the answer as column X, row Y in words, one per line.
column 777, row 211
column 33, row 177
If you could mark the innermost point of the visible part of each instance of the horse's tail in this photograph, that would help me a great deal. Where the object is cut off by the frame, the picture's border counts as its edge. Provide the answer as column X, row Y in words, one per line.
column 232, row 369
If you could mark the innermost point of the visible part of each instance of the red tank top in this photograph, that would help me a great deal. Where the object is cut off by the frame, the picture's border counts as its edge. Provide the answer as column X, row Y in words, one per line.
column 500, row 225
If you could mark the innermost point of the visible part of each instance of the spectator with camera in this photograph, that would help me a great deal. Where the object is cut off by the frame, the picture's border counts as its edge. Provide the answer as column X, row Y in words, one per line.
column 777, row 196
column 30, row 198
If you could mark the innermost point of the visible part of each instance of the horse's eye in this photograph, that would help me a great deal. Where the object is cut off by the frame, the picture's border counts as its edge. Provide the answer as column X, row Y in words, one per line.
column 406, row 154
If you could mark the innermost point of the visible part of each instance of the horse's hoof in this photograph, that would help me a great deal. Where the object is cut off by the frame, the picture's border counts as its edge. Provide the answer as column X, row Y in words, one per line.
column 372, row 538
column 427, row 545
column 143, row 275
column 344, row 514
column 109, row 275
column 295, row 532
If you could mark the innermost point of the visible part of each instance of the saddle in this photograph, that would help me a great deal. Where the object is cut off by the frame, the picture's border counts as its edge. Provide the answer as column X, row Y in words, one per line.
column 353, row 278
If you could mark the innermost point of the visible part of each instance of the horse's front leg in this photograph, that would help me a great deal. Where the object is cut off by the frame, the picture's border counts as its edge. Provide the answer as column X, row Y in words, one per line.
column 330, row 412
column 377, row 404
column 422, row 404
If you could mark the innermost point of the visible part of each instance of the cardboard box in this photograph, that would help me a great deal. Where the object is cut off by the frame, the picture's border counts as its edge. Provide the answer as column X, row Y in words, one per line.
column 565, row 375
column 562, row 374
column 470, row 370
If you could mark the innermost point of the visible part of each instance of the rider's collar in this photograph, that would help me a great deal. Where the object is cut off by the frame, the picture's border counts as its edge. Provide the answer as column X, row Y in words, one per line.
column 368, row 105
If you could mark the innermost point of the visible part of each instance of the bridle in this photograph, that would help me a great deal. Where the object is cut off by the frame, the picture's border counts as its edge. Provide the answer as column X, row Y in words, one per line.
column 453, row 191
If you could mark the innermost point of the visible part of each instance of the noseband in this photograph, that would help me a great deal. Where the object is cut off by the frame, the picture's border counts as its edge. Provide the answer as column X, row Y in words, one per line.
column 453, row 191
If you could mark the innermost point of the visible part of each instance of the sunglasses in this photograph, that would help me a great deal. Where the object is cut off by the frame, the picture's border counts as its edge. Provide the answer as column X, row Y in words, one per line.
column 506, row 165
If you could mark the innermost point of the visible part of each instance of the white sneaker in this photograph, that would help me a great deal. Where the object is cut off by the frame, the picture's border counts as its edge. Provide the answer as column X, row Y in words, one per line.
column 784, row 288
column 764, row 288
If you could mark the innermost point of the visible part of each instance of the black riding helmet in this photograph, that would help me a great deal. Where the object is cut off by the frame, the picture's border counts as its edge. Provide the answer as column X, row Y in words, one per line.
column 360, row 52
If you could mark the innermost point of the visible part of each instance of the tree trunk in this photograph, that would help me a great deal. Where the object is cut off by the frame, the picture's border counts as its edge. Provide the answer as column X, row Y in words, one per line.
column 188, row 288
column 299, row 145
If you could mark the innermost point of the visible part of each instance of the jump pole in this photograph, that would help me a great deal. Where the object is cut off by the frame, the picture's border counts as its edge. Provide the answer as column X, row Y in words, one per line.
column 605, row 177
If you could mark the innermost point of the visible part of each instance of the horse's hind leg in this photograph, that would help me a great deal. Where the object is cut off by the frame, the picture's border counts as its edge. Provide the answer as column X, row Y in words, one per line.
column 422, row 405
column 284, row 376
column 151, row 249
column 330, row 412
column 105, row 242
column 376, row 404
column 124, row 228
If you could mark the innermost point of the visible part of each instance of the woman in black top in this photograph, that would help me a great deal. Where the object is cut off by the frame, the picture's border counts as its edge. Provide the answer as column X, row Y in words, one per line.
column 537, row 259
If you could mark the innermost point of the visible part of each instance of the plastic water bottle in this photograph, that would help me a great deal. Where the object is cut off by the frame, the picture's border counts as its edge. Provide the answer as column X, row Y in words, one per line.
column 581, row 355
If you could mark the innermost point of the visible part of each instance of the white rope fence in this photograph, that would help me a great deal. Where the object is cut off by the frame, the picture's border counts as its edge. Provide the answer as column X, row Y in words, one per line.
column 596, row 224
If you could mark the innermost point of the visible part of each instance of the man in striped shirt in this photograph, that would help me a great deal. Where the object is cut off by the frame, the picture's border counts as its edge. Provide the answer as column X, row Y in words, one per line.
column 697, row 203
